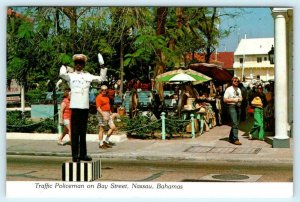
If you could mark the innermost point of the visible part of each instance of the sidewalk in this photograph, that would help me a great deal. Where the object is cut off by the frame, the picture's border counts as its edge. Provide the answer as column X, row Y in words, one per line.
column 210, row 147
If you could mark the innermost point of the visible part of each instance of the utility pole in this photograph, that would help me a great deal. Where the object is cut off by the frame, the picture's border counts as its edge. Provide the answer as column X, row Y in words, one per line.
column 218, row 27
column 243, row 64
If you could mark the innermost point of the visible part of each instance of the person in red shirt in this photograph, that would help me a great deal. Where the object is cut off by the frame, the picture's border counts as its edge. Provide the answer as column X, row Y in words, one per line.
column 105, row 118
column 65, row 113
column 137, row 84
column 111, row 95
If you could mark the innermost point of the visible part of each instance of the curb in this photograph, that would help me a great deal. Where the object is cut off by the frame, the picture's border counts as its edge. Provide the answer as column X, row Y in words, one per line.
column 167, row 158
column 117, row 138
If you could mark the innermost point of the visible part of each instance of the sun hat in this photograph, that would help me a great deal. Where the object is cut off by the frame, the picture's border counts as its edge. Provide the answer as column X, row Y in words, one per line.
column 79, row 57
column 257, row 102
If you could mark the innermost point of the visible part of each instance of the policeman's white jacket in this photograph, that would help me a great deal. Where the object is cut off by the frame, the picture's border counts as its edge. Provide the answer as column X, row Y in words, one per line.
column 79, row 83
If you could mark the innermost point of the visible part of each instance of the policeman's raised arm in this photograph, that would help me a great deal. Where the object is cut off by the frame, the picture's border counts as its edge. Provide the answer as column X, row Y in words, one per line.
column 100, row 78
column 63, row 73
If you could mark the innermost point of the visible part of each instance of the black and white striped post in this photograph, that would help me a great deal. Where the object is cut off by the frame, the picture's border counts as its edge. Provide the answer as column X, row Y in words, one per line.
column 84, row 171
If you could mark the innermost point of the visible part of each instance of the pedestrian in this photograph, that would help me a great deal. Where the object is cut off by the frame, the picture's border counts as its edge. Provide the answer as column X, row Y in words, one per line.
column 258, row 102
column 79, row 83
column 251, row 93
column 137, row 84
column 118, row 97
column 105, row 118
column 269, row 109
column 218, row 110
column 117, row 87
column 233, row 98
column 65, row 116
column 244, row 103
column 111, row 95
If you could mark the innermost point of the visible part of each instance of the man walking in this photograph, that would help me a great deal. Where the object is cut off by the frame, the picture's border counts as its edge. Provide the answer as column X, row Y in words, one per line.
column 233, row 98
column 79, row 83
column 105, row 118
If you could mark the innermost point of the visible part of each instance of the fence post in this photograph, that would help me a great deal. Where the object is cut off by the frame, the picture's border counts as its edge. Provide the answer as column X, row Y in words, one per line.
column 163, row 125
column 193, row 126
column 59, row 128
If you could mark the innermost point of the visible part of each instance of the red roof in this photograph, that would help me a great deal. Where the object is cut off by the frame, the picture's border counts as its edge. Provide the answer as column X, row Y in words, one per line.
column 224, row 59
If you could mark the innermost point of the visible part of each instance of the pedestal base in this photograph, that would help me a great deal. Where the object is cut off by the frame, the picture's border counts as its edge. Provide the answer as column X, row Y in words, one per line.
column 281, row 143
column 84, row 171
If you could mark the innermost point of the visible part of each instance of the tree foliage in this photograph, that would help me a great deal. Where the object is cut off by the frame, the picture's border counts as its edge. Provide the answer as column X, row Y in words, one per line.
column 130, row 39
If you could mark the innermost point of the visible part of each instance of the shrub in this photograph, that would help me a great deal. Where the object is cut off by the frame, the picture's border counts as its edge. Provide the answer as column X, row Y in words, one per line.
column 140, row 125
column 92, row 127
column 18, row 122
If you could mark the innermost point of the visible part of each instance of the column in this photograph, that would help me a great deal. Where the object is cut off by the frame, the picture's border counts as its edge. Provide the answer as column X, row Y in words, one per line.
column 290, row 39
column 281, row 139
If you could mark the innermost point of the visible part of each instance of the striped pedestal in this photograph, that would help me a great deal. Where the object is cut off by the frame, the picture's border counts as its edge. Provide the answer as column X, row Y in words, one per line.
column 84, row 171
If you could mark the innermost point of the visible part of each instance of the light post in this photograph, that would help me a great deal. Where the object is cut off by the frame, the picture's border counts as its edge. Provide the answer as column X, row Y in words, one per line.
column 271, row 55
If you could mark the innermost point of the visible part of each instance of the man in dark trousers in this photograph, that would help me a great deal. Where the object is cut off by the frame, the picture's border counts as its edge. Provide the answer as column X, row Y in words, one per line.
column 79, row 83
column 233, row 98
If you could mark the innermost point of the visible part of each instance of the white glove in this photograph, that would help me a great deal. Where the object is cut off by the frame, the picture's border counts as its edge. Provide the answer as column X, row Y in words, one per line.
column 100, row 59
column 58, row 83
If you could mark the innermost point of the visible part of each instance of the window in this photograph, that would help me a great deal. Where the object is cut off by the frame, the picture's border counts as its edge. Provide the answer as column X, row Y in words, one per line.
column 265, row 59
column 241, row 60
column 259, row 59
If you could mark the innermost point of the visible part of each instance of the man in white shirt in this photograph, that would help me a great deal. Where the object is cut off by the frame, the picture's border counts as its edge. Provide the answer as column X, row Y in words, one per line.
column 233, row 98
column 79, row 83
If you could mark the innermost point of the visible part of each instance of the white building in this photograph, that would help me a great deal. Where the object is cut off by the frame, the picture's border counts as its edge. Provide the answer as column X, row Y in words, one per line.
column 251, row 59
column 251, row 50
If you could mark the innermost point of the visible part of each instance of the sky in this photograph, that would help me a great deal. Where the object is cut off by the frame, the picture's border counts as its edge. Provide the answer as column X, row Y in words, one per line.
column 254, row 23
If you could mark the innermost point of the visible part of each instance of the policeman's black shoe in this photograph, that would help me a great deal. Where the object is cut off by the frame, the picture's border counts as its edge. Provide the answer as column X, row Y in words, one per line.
column 86, row 158
column 76, row 159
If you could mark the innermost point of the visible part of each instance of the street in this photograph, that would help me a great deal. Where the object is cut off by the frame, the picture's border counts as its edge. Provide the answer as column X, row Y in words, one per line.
column 46, row 168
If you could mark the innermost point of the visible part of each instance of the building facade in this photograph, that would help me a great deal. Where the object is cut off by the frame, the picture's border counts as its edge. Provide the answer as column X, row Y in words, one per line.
column 251, row 59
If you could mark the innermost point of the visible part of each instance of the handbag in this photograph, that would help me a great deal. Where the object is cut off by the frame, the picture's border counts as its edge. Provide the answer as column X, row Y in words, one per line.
column 121, row 111
column 250, row 109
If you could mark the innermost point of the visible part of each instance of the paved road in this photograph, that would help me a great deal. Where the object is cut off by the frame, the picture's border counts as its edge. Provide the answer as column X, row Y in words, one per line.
column 184, row 160
column 28, row 168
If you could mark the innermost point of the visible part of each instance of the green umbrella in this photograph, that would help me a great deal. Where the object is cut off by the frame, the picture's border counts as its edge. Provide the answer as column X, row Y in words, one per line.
column 181, row 75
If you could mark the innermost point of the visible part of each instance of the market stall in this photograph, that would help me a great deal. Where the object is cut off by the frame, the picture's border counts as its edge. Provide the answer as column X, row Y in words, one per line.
column 187, row 95
column 216, row 72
